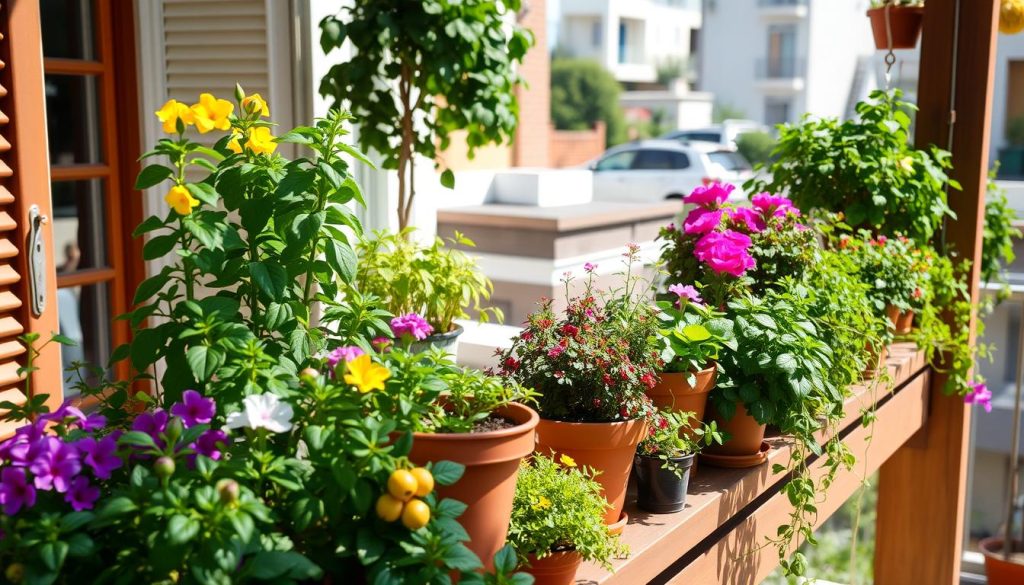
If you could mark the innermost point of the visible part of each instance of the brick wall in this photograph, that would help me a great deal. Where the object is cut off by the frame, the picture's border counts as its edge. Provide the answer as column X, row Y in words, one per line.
column 531, row 145
column 569, row 148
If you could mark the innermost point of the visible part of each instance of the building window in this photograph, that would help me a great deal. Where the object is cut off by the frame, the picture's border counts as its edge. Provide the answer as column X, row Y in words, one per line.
column 781, row 60
column 622, row 42
column 595, row 33
column 776, row 111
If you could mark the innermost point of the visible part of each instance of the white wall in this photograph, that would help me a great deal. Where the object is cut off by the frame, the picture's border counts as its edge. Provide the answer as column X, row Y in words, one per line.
column 732, row 40
column 838, row 34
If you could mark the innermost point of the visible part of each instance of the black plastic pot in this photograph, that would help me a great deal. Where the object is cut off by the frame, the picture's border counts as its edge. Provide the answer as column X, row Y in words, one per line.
column 445, row 341
column 660, row 490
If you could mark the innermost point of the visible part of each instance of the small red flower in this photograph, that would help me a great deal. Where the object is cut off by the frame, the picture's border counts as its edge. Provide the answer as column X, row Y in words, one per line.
column 648, row 380
column 526, row 335
column 559, row 374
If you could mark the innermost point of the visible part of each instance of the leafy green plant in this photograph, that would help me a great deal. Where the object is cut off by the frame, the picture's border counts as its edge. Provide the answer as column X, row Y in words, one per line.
column 593, row 362
column 998, row 236
column 893, row 268
column 693, row 333
column 672, row 434
column 583, row 93
column 559, row 507
column 756, row 147
column 438, row 281
column 454, row 66
column 865, row 168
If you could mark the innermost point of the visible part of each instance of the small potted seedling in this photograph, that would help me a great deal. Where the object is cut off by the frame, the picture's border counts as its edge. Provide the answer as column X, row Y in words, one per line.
column 664, row 459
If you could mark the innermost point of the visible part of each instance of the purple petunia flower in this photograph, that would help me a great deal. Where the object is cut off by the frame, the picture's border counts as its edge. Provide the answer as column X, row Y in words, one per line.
column 194, row 409
column 411, row 325
column 687, row 292
column 211, row 442
column 82, row 495
column 100, row 455
column 15, row 491
column 152, row 423
column 343, row 354
column 979, row 395
column 55, row 465
column 590, row 267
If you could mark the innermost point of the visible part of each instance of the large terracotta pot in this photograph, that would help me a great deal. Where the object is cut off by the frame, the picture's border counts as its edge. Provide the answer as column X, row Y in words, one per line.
column 745, row 433
column 555, row 569
column 605, row 447
column 489, row 483
column 904, row 322
column 998, row 570
column 675, row 392
column 905, row 23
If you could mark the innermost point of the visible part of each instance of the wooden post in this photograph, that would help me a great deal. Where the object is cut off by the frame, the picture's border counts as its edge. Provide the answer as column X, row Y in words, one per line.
column 922, row 487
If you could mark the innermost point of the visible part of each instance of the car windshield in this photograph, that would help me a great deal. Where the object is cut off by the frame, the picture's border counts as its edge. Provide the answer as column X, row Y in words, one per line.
column 700, row 136
column 730, row 161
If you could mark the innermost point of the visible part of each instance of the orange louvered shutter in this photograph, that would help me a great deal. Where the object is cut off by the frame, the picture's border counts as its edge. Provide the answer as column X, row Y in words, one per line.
column 24, row 197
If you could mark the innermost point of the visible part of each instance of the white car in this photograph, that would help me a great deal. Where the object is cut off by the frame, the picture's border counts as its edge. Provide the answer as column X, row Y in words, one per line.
column 724, row 134
column 655, row 170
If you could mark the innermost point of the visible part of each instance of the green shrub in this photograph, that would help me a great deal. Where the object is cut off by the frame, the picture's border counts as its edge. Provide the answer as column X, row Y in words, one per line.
column 582, row 93
column 756, row 147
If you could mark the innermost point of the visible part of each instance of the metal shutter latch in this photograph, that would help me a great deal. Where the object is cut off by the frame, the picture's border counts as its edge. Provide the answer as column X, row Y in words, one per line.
column 37, row 260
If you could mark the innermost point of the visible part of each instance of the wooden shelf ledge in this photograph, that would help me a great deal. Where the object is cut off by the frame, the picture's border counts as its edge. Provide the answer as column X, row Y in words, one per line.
column 730, row 512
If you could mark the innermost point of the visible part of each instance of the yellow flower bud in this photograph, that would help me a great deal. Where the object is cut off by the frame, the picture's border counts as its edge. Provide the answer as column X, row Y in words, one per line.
column 255, row 104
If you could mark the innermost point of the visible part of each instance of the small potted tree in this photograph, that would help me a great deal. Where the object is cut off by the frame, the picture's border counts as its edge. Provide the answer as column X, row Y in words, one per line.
column 689, row 342
column 558, row 520
column 438, row 282
column 591, row 366
column 663, row 459
column 896, row 24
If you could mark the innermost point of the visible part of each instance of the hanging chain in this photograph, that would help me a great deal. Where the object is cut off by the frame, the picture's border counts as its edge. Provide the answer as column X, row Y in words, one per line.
column 890, row 57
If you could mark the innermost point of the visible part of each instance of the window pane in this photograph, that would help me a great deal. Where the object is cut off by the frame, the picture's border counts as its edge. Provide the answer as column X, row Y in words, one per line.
column 79, row 225
column 653, row 160
column 617, row 162
column 84, row 315
column 680, row 161
column 68, row 29
column 73, row 120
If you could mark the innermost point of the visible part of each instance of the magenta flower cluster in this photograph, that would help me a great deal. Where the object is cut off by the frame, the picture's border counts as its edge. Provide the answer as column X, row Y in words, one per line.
column 724, row 230
column 410, row 326
column 979, row 395
column 62, row 452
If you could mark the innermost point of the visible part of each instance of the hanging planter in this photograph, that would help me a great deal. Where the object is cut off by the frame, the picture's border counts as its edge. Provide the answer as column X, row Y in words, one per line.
column 896, row 25
column 1011, row 16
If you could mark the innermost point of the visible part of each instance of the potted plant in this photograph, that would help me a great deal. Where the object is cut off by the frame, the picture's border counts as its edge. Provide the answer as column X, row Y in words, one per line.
column 439, row 282
column 464, row 416
column 895, row 270
column 664, row 458
column 691, row 337
column 558, row 520
column 896, row 24
column 591, row 366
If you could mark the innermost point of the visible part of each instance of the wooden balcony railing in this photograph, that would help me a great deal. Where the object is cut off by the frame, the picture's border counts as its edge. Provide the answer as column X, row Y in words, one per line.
column 720, row 536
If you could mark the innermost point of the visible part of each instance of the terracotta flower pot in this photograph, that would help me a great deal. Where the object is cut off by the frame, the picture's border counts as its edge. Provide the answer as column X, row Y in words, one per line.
column 998, row 570
column 904, row 322
column 745, row 433
column 489, row 483
column 905, row 22
column 605, row 447
column 555, row 569
column 876, row 361
column 675, row 392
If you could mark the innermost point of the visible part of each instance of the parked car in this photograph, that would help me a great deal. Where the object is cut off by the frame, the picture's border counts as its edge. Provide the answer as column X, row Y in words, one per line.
column 724, row 134
column 655, row 170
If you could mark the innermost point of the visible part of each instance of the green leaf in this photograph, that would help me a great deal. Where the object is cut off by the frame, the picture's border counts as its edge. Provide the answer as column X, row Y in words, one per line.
column 204, row 192
column 137, row 439
column 696, row 332
column 447, row 472
column 275, row 565
column 149, row 287
column 505, row 559
column 270, row 278
column 159, row 246
column 448, row 179
column 369, row 546
column 145, row 348
column 152, row 175
column 151, row 223
column 786, row 362
column 461, row 558
column 53, row 554
column 181, row 529
column 342, row 259
column 204, row 361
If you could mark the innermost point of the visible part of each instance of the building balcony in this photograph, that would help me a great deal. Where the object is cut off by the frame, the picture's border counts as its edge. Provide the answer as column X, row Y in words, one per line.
column 780, row 75
column 782, row 9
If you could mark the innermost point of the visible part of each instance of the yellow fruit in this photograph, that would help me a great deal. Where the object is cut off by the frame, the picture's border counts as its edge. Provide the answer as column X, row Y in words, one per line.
column 424, row 481
column 402, row 484
column 389, row 508
column 415, row 515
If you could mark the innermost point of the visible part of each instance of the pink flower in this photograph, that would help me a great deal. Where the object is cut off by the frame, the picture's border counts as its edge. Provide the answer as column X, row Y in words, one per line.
column 381, row 343
column 979, row 395
column 194, row 409
column 773, row 205
column 590, row 267
column 725, row 252
column 555, row 351
column 346, row 354
column 687, row 292
column 748, row 218
column 702, row 220
column 711, row 194
column 412, row 325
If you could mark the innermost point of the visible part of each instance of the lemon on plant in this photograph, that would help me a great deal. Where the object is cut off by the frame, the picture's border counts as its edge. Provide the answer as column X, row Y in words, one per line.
column 415, row 515
column 402, row 484
column 424, row 481
column 389, row 508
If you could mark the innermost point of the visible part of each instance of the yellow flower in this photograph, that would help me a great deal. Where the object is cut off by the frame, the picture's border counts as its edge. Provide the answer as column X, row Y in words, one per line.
column 907, row 164
column 366, row 375
column 255, row 104
column 261, row 141
column 171, row 112
column 567, row 461
column 542, row 504
column 234, row 145
column 212, row 113
column 181, row 200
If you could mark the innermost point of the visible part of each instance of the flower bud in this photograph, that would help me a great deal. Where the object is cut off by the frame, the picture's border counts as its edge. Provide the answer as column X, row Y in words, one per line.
column 175, row 427
column 309, row 376
column 239, row 92
column 228, row 491
column 163, row 466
